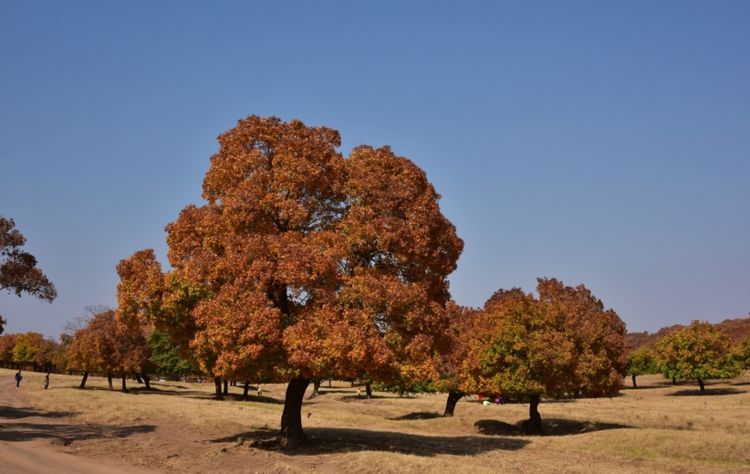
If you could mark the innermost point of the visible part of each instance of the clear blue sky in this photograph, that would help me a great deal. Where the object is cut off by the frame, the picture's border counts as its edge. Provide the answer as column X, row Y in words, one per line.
column 598, row 142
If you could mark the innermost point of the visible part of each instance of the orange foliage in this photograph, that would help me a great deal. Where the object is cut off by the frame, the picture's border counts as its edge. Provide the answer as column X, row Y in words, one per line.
column 107, row 347
column 302, row 263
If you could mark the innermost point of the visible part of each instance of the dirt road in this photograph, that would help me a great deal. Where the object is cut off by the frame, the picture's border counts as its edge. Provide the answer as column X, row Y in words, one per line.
column 33, row 441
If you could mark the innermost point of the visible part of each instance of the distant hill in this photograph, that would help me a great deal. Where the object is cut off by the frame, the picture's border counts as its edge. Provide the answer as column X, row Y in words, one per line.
column 736, row 329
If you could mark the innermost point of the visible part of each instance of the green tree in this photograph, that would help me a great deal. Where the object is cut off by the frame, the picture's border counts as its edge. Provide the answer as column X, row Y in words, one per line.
column 563, row 344
column 744, row 352
column 31, row 348
column 697, row 352
column 165, row 356
column 641, row 361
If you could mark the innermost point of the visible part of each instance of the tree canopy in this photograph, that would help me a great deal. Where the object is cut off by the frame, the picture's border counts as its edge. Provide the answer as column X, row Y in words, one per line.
column 561, row 344
column 18, row 269
column 108, row 347
column 302, row 264
column 697, row 352
column 642, row 361
column 32, row 348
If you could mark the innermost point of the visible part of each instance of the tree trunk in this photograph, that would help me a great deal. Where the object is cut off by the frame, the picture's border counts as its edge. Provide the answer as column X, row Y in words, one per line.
column 291, row 419
column 138, row 378
column 83, row 380
column 226, row 387
column 450, row 405
column 634, row 384
column 109, row 380
column 534, row 423
column 146, row 380
column 674, row 380
column 245, row 390
column 217, row 386
column 703, row 388
column 124, row 386
column 368, row 390
column 316, row 389
column 329, row 383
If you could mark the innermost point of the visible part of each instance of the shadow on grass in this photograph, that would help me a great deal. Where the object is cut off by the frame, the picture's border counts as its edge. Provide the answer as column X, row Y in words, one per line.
column 419, row 415
column 149, row 391
column 552, row 427
column 344, row 440
column 14, row 413
column 708, row 392
column 324, row 390
column 194, row 394
column 65, row 434
column 355, row 397
column 257, row 399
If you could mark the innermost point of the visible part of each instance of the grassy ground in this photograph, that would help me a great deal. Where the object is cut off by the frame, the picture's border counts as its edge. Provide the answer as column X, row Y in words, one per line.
column 178, row 428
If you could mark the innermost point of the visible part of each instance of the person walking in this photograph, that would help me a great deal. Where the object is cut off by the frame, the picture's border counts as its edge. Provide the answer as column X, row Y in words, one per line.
column 46, row 381
column 18, row 378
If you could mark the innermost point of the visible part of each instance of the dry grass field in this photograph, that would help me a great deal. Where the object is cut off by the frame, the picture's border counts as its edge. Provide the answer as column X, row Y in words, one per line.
column 177, row 427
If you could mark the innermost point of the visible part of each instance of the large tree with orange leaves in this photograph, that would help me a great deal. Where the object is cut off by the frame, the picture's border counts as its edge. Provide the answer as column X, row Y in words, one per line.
column 561, row 344
column 302, row 264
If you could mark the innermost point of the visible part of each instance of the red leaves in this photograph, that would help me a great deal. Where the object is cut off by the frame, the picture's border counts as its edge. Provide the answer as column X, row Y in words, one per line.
column 307, row 262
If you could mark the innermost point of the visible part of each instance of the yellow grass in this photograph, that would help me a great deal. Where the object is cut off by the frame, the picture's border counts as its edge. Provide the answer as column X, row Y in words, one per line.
column 179, row 428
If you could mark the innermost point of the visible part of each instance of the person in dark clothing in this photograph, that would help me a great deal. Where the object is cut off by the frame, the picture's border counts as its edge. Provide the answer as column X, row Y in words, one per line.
column 46, row 381
column 18, row 378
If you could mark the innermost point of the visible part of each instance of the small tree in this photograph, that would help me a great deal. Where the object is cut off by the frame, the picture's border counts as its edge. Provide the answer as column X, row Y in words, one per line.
column 31, row 348
column 81, row 354
column 563, row 344
column 165, row 356
column 7, row 343
column 744, row 351
column 697, row 352
column 108, row 347
column 450, row 363
column 641, row 361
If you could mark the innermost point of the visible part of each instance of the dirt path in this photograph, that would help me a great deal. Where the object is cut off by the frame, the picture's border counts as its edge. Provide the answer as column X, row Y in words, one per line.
column 33, row 441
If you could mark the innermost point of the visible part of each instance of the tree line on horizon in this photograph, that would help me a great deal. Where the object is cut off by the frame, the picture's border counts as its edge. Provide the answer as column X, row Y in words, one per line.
column 304, row 265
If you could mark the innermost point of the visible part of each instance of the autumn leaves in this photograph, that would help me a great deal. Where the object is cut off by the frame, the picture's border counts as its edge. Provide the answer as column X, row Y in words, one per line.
column 301, row 264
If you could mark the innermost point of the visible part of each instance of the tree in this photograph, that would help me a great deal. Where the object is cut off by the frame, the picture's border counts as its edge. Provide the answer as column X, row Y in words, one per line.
column 7, row 343
column 743, row 351
column 697, row 352
column 165, row 356
column 82, row 355
column 308, row 264
column 18, row 271
column 461, row 321
column 641, row 361
column 31, row 348
column 59, row 359
column 108, row 347
column 562, row 344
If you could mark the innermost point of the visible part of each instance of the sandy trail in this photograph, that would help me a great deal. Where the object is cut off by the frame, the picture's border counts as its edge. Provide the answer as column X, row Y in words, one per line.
column 32, row 441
